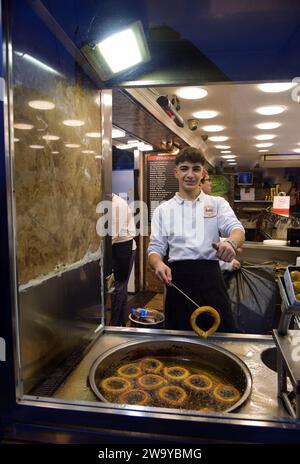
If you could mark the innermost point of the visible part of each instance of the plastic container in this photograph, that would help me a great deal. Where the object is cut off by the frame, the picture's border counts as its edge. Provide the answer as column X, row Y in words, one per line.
column 289, row 285
column 146, row 318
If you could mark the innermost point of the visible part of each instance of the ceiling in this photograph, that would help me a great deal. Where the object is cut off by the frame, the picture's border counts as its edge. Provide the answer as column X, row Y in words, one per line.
column 236, row 106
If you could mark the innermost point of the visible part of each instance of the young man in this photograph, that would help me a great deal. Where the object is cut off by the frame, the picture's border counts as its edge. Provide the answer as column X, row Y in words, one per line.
column 188, row 226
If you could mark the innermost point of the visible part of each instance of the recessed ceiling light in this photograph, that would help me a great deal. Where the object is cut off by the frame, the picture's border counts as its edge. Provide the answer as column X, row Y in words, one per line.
column 276, row 87
column 268, row 125
column 265, row 137
column 55, row 152
column 213, row 128
column 297, row 150
column 271, row 109
column 93, row 135
column 117, row 133
column 228, row 156
column 218, row 138
column 226, row 151
column 37, row 147
column 263, row 151
column 191, row 93
column 50, row 137
column 205, row 114
column 41, row 105
column 22, row 126
column 223, row 147
column 73, row 122
column 72, row 145
column 262, row 145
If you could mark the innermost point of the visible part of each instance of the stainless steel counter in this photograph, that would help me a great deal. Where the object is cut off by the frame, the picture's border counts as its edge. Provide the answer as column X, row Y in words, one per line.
column 263, row 403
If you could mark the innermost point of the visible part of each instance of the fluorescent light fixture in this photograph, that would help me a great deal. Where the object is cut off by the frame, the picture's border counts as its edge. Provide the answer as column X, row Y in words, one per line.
column 218, row 138
column 117, row 133
column 226, row 151
column 38, row 63
column 119, row 51
column 37, row 147
column 133, row 141
column 263, row 145
column 73, row 122
column 263, row 151
column 41, row 105
column 276, row 87
column 268, row 125
column 16, row 140
column 55, row 152
column 223, row 147
column 265, row 137
column 205, row 114
column 297, row 150
column 271, row 109
column 191, row 93
column 145, row 147
column 232, row 164
column 50, row 137
column 213, row 128
column 88, row 152
column 23, row 126
column 228, row 156
column 72, row 145
column 93, row 135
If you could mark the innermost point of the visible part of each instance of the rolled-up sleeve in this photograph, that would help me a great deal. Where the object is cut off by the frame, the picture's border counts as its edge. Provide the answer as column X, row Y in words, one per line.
column 158, row 239
column 227, row 220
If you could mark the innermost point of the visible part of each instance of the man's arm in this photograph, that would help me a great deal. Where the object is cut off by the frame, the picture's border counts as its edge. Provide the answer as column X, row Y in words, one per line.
column 157, row 248
column 162, row 271
column 226, row 250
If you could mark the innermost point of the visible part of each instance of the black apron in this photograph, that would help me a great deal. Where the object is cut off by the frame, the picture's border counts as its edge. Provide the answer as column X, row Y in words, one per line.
column 203, row 282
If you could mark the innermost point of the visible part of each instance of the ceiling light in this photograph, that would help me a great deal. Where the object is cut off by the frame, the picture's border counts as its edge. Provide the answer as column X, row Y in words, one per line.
column 117, row 133
column 50, row 137
column 265, row 137
column 37, row 147
column 218, row 138
column 276, row 87
column 41, row 105
column 268, row 125
column 93, row 135
column 22, row 126
column 213, row 128
column 87, row 152
column 191, row 93
column 226, row 151
column 134, row 141
column 262, row 145
column 72, row 145
column 16, row 140
column 73, row 122
column 223, row 147
column 145, row 147
column 228, row 156
column 119, row 51
column 55, row 152
column 232, row 164
column 272, row 109
column 297, row 150
column 205, row 114
column 263, row 151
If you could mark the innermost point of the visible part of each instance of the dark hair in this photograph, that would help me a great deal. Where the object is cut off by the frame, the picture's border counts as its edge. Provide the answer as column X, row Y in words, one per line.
column 190, row 154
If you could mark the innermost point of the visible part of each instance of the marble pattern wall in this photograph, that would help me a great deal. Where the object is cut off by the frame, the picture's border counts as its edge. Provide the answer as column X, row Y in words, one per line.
column 57, row 170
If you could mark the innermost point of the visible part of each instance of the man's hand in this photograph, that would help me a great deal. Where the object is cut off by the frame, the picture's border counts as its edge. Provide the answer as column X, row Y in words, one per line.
column 235, row 265
column 225, row 251
column 163, row 272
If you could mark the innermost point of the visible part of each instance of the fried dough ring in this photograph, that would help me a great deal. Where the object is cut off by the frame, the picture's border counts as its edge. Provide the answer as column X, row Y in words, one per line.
column 151, row 365
column 150, row 381
column 169, row 372
column 214, row 327
column 144, row 397
column 231, row 390
column 208, row 383
column 107, row 385
column 163, row 394
column 126, row 371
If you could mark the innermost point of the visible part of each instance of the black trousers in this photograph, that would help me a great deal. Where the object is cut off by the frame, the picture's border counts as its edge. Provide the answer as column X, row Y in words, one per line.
column 203, row 282
column 122, row 260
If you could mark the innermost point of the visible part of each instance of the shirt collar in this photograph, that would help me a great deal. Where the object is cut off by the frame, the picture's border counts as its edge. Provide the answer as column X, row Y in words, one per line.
column 181, row 200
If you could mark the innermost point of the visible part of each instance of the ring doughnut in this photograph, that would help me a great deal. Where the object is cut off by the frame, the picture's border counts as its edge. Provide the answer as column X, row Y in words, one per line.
column 214, row 327
column 151, row 365
column 176, row 372
column 199, row 382
column 115, row 385
column 150, row 381
column 226, row 393
column 135, row 397
column 129, row 371
column 172, row 394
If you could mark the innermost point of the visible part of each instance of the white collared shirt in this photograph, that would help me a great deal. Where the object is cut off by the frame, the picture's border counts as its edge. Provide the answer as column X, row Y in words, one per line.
column 188, row 227
column 123, row 228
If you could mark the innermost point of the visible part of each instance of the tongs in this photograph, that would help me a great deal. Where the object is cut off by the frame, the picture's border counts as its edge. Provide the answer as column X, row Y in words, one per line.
column 200, row 310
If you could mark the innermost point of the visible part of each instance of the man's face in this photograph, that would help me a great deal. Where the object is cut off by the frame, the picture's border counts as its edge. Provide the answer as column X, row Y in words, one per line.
column 189, row 176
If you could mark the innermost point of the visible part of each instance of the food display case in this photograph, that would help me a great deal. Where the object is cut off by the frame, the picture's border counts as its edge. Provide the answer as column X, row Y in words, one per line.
column 53, row 324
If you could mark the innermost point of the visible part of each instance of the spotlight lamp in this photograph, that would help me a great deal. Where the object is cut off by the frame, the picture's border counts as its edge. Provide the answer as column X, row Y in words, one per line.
column 117, row 52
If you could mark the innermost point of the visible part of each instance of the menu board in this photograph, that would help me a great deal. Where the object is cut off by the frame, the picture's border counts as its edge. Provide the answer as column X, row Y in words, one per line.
column 161, row 182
